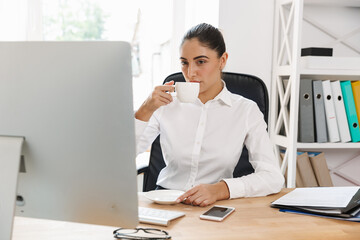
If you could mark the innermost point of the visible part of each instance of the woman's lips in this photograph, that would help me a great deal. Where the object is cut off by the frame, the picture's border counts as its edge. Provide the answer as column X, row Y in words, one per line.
column 195, row 81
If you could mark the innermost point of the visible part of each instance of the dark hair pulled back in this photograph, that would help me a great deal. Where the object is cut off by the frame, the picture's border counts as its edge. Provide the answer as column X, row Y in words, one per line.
column 207, row 35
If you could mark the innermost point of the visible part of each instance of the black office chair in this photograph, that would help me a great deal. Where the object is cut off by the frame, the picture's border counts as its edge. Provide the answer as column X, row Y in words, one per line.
column 245, row 85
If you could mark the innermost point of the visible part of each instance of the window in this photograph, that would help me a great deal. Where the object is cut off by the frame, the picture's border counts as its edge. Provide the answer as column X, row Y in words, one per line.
column 154, row 29
column 145, row 24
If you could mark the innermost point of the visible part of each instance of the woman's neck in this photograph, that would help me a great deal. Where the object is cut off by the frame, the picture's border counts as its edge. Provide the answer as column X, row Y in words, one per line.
column 211, row 93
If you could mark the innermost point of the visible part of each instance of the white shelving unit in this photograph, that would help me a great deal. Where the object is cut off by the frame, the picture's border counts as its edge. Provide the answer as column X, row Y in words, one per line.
column 287, row 65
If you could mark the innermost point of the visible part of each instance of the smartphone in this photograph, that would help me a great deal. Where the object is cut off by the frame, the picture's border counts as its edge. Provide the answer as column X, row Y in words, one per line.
column 217, row 213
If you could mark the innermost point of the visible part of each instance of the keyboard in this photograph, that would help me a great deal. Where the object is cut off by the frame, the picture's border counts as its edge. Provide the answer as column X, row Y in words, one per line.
column 157, row 216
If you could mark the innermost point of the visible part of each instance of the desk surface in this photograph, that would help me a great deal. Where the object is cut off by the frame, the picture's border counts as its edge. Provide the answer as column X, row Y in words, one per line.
column 252, row 219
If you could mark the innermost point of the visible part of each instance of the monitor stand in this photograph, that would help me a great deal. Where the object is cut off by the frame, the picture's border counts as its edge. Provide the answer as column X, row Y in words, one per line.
column 10, row 153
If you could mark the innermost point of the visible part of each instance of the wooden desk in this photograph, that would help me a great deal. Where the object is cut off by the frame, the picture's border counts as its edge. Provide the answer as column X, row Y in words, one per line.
column 252, row 219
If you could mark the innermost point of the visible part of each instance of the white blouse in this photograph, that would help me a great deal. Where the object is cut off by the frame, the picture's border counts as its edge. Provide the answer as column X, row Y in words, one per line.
column 202, row 143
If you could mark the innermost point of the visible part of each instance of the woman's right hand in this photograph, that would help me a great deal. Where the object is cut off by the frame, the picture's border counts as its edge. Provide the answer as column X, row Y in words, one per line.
column 159, row 97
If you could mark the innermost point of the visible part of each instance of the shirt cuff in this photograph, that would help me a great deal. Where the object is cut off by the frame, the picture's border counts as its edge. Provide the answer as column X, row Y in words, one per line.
column 236, row 187
column 140, row 127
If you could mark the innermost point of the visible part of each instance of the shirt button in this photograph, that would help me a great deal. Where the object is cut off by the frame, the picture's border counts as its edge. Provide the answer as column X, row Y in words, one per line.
column 197, row 143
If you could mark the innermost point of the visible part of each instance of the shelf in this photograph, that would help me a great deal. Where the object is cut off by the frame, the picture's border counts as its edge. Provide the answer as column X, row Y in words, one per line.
column 350, row 145
column 337, row 3
column 333, row 68
column 283, row 141
column 287, row 46
column 322, row 74
column 336, row 74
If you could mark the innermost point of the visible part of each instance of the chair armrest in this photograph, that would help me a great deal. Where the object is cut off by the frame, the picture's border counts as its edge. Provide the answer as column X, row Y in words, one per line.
column 142, row 169
column 142, row 162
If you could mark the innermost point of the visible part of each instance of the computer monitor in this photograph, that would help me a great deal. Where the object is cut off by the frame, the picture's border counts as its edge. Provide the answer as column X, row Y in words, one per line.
column 72, row 103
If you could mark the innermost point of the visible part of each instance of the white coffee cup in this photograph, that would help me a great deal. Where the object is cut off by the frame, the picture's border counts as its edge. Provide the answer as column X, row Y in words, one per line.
column 187, row 92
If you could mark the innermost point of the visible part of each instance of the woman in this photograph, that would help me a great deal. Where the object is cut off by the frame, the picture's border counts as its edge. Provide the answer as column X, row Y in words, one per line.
column 200, row 141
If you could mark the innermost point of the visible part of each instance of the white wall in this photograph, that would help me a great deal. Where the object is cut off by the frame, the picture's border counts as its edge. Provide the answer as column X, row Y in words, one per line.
column 248, row 31
column 14, row 12
column 189, row 13
column 336, row 20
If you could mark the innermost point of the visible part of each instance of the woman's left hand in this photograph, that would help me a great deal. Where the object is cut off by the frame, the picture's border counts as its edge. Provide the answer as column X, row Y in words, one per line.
column 205, row 194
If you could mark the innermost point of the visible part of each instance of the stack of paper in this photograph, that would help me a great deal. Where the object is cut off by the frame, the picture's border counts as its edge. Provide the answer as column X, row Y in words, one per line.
column 337, row 202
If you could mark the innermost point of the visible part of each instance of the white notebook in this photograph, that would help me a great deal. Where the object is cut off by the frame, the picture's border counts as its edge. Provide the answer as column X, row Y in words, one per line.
column 336, row 197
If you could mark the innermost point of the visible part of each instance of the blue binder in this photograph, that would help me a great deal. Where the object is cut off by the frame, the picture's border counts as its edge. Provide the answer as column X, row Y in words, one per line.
column 350, row 110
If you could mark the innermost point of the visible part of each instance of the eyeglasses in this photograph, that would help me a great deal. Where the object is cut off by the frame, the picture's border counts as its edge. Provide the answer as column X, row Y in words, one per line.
column 141, row 234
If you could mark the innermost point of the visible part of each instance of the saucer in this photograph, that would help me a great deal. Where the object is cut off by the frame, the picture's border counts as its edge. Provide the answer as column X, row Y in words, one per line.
column 164, row 196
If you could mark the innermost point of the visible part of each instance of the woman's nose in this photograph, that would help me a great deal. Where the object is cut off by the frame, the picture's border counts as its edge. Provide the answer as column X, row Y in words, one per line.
column 192, row 70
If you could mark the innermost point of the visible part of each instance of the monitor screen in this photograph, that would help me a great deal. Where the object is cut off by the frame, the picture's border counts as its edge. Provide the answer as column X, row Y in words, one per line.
column 72, row 103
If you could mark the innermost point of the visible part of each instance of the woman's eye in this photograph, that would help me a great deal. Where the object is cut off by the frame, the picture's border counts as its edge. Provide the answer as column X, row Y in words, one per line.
column 183, row 63
column 201, row 61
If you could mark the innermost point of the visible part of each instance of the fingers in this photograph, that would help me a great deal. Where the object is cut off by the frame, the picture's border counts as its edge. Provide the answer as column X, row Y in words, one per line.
column 159, row 97
column 200, row 199
column 200, row 195
column 162, row 96
column 163, row 92
column 186, row 195
column 170, row 83
column 205, row 203
column 196, row 199
column 192, row 197
column 164, row 89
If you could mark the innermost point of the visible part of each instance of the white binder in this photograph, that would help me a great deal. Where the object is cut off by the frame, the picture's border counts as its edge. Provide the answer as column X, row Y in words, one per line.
column 340, row 112
column 332, row 126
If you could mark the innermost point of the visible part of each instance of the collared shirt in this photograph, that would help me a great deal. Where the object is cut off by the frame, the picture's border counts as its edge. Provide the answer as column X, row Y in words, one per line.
column 202, row 143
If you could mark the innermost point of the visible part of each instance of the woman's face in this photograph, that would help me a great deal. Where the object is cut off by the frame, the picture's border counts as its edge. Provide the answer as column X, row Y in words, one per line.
column 202, row 64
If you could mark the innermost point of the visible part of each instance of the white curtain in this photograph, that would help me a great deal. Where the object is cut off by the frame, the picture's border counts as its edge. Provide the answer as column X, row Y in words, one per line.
column 34, row 20
column 20, row 20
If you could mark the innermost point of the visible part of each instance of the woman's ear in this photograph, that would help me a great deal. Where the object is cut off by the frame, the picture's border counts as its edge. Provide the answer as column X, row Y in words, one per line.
column 223, row 60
